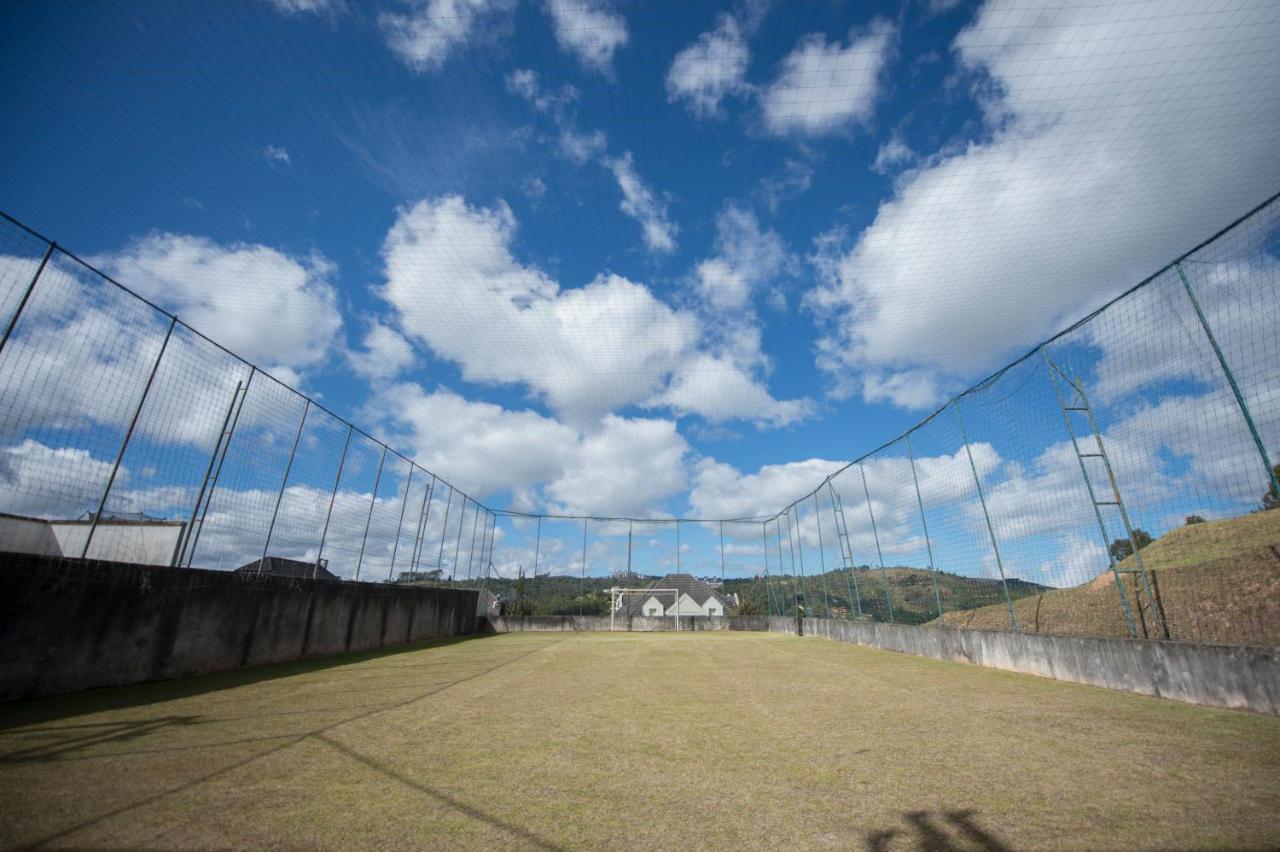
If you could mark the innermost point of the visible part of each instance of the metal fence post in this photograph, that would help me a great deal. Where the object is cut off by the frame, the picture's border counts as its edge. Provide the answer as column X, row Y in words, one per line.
column 457, row 546
column 1093, row 498
column 22, row 303
column 373, row 500
column 423, row 515
column 777, row 522
column 404, row 504
column 537, row 546
column 768, row 583
column 791, row 546
column 1013, row 619
column 584, row 566
column 471, row 557
column 822, row 557
column 324, row 534
column 1231, row 380
column 444, row 533
column 875, row 532
column 722, row 557
column 181, row 551
column 217, row 474
column 128, row 435
column 262, row 563
column 924, row 523
column 677, row 545
column 842, row 529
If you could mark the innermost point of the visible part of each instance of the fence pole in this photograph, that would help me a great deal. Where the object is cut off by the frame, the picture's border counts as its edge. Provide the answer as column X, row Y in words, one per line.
column 584, row 566
column 822, row 557
column 457, row 547
column 1093, row 497
column 423, row 516
column 262, row 563
column 768, row 582
column 444, row 533
column 22, row 303
column 803, row 583
column 332, row 499
column 1013, row 619
column 677, row 550
column 924, row 523
column 128, row 435
column 630, row 529
column 777, row 522
column 1231, row 380
column 722, row 591
column 471, row 557
column 373, row 500
column 217, row 474
column 491, row 523
column 875, row 533
column 842, row 523
column 404, row 504
column 537, row 545
column 181, row 552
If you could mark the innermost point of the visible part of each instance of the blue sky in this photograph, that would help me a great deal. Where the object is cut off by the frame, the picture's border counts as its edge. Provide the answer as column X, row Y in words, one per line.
column 647, row 259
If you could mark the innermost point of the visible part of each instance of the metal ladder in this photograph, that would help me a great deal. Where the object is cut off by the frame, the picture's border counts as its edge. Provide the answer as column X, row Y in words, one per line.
column 1078, row 403
column 846, row 552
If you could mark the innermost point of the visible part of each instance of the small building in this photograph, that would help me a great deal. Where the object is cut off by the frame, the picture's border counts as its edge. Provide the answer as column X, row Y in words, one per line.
column 690, row 596
column 278, row 566
column 117, row 537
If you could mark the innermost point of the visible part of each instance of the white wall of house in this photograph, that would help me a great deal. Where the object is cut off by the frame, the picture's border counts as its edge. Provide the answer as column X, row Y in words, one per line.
column 28, row 535
column 653, row 606
column 145, row 544
column 687, row 606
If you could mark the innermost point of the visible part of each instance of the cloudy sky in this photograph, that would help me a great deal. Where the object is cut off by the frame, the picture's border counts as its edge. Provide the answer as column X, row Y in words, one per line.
column 649, row 259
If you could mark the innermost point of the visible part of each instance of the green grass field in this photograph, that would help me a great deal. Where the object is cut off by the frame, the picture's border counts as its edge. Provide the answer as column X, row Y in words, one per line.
column 692, row 740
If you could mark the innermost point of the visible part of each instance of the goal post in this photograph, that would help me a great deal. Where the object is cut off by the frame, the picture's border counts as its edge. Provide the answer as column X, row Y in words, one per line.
column 623, row 597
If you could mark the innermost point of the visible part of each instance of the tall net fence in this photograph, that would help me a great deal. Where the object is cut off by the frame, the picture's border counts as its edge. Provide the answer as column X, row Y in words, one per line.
column 1116, row 480
column 127, row 435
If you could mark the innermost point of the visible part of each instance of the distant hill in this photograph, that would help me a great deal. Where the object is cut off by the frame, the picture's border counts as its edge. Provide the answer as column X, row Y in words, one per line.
column 1217, row 581
column 911, row 588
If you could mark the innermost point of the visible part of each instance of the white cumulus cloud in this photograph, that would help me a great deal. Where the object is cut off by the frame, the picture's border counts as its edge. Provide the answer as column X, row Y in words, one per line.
column 592, row 30
column 1080, row 189
column 424, row 36
column 825, row 87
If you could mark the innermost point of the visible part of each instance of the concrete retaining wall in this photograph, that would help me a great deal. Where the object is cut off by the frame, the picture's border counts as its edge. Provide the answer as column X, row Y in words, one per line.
column 637, row 624
column 67, row 625
column 1241, row 678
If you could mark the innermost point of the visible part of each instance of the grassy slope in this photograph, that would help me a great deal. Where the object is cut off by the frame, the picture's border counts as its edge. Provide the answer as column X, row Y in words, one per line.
column 627, row 740
column 1218, row 582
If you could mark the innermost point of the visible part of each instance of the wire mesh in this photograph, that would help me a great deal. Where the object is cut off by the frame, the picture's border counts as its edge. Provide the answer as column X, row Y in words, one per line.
column 1056, row 496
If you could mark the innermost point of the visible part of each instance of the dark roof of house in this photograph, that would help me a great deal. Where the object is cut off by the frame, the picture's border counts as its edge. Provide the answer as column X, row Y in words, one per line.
column 278, row 566
column 684, row 584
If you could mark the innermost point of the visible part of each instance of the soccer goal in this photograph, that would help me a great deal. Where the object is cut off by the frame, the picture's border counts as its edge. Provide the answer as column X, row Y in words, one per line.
column 633, row 602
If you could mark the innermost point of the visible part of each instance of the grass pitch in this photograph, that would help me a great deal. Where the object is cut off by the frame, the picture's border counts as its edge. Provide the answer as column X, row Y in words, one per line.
column 633, row 740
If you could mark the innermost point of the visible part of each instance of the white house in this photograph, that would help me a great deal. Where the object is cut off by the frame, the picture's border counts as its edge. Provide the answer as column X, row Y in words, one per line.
column 134, row 538
column 691, row 597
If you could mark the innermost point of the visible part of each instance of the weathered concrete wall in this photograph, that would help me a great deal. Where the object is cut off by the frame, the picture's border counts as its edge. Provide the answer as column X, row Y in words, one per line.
column 1241, row 678
column 67, row 625
column 638, row 624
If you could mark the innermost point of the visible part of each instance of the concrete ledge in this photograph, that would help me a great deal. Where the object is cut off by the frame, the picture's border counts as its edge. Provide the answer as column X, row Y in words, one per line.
column 1236, row 677
column 637, row 624
column 69, row 624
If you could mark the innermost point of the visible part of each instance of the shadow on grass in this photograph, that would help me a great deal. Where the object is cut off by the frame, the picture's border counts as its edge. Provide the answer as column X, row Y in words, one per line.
column 938, row 831
column 203, row 774
column 525, row 837
column 53, row 707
